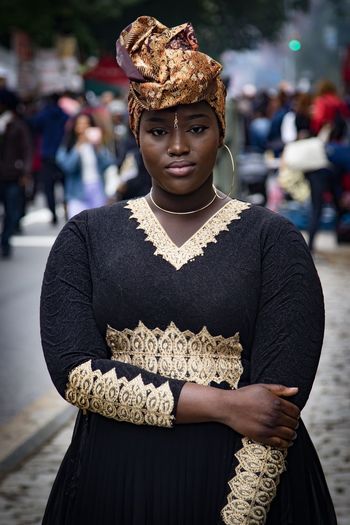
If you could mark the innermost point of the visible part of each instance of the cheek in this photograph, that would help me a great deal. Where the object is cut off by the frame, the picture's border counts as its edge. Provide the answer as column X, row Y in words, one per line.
column 150, row 151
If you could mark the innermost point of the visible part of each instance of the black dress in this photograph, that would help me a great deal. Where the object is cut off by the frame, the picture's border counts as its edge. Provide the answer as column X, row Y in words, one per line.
column 127, row 317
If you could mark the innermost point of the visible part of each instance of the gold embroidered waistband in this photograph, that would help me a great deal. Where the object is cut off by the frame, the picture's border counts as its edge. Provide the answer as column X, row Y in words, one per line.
column 200, row 358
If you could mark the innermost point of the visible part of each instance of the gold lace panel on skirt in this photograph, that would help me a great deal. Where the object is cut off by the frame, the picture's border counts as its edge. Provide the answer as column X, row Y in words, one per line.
column 119, row 398
column 203, row 358
column 254, row 485
column 200, row 358
column 178, row 256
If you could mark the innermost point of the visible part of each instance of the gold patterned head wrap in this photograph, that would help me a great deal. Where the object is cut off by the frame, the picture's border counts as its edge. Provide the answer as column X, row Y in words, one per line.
column 166, row 69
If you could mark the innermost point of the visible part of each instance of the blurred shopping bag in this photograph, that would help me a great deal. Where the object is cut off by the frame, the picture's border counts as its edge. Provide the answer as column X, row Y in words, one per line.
column 294, row 183
column 305, row 155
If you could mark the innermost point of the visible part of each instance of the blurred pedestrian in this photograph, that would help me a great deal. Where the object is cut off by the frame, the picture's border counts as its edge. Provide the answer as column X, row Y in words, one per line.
column 259, row 126
column 15, row 164
column 83, row 159
column 279, row 107
column 296, row 124
column 327, row 106
column 338, row 153
column 328, row 180
column 50, row 123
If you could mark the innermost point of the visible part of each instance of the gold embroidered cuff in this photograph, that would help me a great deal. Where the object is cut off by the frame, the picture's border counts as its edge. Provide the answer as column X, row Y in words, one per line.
column 255, row 484
column 200, row 358
column 119, row 398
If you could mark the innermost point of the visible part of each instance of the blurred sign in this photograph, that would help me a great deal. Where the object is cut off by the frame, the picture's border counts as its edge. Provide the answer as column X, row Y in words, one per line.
column 57, row 74
column 26, row 77
column 66, row 46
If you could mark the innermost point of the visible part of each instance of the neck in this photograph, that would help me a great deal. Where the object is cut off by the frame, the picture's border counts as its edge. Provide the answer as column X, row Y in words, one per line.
column 182, row 203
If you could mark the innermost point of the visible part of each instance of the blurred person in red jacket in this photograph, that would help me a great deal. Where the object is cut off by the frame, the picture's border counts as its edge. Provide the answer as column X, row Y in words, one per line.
column 327, row 105
column 15, row 164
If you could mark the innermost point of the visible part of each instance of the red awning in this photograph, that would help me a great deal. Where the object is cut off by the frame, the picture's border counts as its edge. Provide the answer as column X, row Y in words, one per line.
column 108, row 72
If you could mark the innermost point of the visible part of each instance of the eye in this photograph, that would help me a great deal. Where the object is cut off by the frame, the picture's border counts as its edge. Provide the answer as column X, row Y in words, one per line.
column 157, row 132
column 197, row 130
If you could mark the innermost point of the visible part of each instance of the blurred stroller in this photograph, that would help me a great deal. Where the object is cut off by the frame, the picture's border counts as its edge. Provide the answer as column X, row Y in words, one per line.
column 253, row 172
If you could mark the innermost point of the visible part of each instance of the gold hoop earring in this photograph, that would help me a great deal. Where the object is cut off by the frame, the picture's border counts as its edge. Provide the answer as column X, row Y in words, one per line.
column 233, row 176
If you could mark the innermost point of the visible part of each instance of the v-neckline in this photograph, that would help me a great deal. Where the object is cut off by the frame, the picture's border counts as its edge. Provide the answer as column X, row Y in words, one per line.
column 194, row 246
column 181, row 246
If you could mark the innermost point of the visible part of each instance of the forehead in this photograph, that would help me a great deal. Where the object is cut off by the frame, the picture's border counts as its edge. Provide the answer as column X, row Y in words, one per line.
column 185, row 111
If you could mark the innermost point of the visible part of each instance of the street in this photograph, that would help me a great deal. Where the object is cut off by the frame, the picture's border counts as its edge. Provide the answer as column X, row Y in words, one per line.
column 24, row 492
column 23, row 376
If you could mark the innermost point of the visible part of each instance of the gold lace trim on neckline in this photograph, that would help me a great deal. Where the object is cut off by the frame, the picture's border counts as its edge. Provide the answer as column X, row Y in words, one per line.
column 200, row 358
column 178, row 256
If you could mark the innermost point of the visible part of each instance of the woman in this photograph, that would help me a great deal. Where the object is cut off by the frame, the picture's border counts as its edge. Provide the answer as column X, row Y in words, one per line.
column 169, row 303
column 327, row 106
column 84, row 160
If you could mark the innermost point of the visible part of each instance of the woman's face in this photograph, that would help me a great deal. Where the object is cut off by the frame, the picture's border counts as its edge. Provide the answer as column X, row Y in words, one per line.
column 179, row 146
column 81, row 124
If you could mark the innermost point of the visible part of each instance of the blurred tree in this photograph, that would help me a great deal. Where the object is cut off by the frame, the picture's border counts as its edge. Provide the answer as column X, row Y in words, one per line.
column 220, row 24
column 42, row 20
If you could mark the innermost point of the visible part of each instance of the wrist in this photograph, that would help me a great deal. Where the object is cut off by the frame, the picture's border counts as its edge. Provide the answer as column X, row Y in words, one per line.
column 226, row 408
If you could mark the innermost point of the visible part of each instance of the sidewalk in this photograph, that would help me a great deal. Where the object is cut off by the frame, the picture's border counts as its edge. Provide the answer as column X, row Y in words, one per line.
column 24, row 492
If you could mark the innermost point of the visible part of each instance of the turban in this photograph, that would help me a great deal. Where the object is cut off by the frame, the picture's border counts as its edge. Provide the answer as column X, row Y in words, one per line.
column 166, row 69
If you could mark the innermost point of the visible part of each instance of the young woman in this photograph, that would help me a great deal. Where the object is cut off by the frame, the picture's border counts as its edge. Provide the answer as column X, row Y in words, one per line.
column 84, row 159
column 186, row 326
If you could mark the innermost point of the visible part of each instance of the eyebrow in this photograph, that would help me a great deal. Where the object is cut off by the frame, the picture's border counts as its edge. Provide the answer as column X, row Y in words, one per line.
column 190, row 117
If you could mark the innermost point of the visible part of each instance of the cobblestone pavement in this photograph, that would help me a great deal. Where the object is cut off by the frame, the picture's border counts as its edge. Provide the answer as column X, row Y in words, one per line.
column 23, row 493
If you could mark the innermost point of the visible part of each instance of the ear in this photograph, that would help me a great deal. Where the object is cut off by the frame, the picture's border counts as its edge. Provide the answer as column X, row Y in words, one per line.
column 221, row 141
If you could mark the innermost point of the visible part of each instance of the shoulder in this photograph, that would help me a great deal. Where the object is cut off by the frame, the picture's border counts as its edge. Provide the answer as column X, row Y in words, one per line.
column 260, row 217
column 95, row 226
column 265, row 228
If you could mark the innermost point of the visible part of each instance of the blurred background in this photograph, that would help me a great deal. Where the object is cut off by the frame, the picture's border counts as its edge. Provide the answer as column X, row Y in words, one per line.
column 286, row 65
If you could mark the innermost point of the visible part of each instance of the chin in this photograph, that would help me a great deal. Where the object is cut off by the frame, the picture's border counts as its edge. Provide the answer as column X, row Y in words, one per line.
column 181, row 185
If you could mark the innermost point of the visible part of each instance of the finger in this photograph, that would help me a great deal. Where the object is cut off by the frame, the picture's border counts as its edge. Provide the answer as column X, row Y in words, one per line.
column 290, row 391
column 285, row 433
column 281, row 390
column 286, row 421
column 279, row 442
column 288, row 408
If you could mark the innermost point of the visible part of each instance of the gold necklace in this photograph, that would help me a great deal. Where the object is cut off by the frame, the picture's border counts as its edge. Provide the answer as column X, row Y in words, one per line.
column 182, row 212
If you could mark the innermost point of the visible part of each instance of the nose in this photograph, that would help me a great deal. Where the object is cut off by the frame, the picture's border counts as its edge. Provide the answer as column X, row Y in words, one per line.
column 178, row 144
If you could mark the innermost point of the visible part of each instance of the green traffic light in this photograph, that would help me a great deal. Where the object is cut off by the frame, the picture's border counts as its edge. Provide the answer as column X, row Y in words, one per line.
column 294, row 45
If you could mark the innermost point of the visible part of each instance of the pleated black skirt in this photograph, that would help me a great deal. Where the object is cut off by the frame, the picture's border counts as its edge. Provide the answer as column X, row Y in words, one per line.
column 121, row 474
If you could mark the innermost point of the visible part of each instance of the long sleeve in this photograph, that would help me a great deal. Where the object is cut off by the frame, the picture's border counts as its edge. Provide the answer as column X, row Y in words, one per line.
column 286, row 349
column 76, row 353
column 105, row 158
column 69, row 161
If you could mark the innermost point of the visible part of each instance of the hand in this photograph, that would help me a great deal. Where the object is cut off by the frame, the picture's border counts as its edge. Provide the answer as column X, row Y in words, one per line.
column 24, row 181
column 260, row 413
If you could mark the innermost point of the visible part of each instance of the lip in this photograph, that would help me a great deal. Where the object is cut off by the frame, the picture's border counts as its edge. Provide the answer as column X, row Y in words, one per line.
column 180, row 168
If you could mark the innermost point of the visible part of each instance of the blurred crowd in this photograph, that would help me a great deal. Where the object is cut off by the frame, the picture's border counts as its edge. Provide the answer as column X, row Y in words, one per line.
column 80, row 148
column 77, row 142
column 301, row 138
